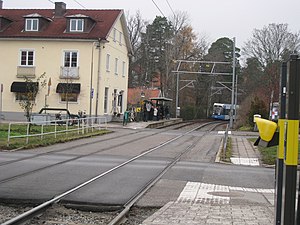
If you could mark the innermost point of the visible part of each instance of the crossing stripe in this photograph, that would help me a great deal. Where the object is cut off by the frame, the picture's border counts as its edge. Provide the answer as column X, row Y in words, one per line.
column 245, row 161
column 196, row 192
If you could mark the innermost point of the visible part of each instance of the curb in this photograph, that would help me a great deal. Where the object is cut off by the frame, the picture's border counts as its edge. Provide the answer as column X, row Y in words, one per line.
column 218, row 157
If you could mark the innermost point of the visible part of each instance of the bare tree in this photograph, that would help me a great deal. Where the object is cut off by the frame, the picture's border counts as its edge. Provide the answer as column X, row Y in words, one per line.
column 136, row 26
column 179, row 20
column 269, row 46
column 272, row 43
column 32, row 89
column 186, row 45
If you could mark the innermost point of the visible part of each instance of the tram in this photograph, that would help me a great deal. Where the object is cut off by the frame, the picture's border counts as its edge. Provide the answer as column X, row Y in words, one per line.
column 221, row 111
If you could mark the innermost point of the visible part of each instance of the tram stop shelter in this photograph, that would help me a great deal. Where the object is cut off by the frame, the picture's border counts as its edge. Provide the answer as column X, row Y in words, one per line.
column 164, row 108
column 161, row 100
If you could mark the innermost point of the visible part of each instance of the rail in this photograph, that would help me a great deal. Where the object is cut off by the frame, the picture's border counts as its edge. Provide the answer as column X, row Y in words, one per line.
column 81, row 125
column 42, row 207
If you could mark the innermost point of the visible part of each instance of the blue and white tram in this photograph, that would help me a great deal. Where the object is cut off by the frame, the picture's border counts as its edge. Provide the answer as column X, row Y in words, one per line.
column 221, row 111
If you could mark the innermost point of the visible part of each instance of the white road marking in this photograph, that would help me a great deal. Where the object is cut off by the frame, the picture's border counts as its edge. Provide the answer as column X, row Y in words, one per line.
column 245, row 161
column 195, row 192
column 223, row 132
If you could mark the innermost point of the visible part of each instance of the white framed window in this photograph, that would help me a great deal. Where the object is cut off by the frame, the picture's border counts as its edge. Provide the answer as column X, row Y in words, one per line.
column 106, row 99
column 123, row 69
column 76, row 25
column 23, row 97
column 69, row 97
column 115, row 34
column 120, row 38
column 107, row 62
column 70, row 59
column 27, row 58
column 31, row 24
column 70, row 68
column 116, row 65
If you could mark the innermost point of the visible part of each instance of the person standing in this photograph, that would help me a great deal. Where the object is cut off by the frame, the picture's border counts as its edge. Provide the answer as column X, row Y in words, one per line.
column 148, row 109
column 167, row 113
column 155, row 111
column 125, row 117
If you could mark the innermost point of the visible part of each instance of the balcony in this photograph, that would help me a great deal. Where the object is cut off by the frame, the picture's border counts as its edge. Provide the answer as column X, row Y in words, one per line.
column 26, row 71
column 69, row 72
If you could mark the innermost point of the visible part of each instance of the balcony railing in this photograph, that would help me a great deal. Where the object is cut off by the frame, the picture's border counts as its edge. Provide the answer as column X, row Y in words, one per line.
column 69, row 72
column 26, row 71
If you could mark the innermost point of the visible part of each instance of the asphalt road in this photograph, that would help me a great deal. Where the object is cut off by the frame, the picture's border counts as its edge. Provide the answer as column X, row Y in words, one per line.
column 98, row 154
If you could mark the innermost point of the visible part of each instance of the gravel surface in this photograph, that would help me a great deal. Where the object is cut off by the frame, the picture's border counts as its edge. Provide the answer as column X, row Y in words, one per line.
column 8, row 212
column 59, row 215
column 138, row 215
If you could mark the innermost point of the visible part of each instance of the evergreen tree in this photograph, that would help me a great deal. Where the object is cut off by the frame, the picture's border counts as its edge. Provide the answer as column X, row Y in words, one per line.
column 156, row 43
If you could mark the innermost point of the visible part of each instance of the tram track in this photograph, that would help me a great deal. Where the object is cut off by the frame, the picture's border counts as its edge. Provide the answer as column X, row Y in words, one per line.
column 65, row 149
column 170, row 127
column 37, row 210
column 120, row 218
column 72, row 159
column 80, row 145
column 77, row 157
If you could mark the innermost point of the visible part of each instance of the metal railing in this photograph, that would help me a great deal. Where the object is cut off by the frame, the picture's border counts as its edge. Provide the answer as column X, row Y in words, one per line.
column 79, row 125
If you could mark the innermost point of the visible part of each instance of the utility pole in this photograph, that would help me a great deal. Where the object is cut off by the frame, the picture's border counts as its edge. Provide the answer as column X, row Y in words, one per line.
column 233, row 84
column 1, row 92
column 177, row 96
column 91, row 80
column 211, row 64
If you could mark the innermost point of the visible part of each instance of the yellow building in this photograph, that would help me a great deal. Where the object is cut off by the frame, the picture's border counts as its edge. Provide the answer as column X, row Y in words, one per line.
column 83, row 53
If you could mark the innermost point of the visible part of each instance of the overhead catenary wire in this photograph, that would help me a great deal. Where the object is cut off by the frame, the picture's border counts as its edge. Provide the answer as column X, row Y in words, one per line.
column 158, row 8
column 73, row 0
column 79, row 4
column 170, row 7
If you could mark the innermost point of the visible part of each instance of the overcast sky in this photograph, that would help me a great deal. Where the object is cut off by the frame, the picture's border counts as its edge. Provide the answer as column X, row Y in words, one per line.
column 213, row 18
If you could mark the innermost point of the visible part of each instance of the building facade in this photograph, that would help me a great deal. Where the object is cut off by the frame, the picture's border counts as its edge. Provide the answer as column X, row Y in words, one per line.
column 83, row 56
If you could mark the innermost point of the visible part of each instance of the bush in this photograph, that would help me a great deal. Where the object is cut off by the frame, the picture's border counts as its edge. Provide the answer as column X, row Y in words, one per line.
column 257, row 107
column 187, row 112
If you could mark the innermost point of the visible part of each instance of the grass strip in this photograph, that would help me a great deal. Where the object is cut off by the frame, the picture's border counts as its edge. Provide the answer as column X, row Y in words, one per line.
column 38, row 141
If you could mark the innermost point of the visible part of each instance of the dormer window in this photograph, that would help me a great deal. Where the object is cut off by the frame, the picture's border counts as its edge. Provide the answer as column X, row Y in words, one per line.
column 76, row 25
column 31, row 24
column 79, row 23
column 36, row 22
column 4, row 23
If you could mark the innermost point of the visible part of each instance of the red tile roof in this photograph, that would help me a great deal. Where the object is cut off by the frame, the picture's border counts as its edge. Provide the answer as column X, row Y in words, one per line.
column 56, row 28
column 134, row 95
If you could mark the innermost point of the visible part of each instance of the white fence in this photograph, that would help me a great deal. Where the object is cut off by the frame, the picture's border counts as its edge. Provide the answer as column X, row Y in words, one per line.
column 81, row 125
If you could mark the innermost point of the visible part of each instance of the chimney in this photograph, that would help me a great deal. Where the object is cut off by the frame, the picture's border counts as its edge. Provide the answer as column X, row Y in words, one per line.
column 60, row 9
column 1, row 4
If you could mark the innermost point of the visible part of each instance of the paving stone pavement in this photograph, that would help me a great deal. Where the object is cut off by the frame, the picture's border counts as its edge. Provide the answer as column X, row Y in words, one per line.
column 198, row 205
column 201, row 203
column 243, row 153
column 191, row 213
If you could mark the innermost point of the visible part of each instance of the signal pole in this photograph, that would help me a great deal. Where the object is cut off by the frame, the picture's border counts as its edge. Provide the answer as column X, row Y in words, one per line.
column 233, row 84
